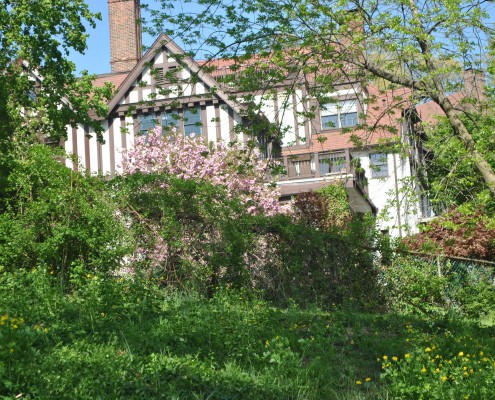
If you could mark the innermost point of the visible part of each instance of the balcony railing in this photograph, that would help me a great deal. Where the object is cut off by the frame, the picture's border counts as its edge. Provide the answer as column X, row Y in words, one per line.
column 337, row 165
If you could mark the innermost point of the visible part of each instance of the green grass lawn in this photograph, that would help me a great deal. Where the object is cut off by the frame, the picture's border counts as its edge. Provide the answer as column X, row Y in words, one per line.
column 124, row 339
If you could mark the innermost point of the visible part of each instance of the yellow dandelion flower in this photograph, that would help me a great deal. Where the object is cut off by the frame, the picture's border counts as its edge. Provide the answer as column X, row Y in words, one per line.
column 423, row 370
column 481, row 353
column 358, row 382
column 428, row 349
column 385, row 357
column 464, row 368
column 407, row 355
column 437, row 370
column 465, row 373
column 461, row 354
column 395, row 358
column 444, row 378
column 368, row 379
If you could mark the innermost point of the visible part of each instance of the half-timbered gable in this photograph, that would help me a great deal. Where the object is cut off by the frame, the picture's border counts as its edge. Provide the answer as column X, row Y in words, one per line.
column 166, row 88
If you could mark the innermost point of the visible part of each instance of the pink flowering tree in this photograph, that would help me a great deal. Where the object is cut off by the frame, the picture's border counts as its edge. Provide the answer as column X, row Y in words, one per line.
column 239, row 170
column 190, row 206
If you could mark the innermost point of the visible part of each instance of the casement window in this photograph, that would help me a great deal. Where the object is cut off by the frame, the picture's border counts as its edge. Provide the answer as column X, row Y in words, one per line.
column 331, row 163
column 170, row 120
column 341, row 114
column 192, row 122
column 379, row 165
column 146, row 123
column 188, row 124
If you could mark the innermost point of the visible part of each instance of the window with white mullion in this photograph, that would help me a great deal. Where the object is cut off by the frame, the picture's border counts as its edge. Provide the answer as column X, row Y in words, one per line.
column 331, row 163
column 379, row 165
column 341, row 114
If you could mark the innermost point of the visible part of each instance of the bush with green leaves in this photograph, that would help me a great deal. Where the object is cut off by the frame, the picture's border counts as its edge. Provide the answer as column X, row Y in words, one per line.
column 436, row 286
column 413, row 286
column 55, row 217
column 190, row 233
column 340, row 246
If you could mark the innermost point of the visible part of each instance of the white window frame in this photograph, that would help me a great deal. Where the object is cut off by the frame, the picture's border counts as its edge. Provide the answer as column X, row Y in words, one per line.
column 379, row 165
column 338, row 113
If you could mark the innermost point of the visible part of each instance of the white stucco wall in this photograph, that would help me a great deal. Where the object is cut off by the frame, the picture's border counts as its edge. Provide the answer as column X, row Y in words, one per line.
column 383, row 192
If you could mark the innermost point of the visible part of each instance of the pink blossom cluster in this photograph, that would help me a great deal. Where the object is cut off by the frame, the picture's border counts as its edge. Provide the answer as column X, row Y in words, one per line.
column 239, row 170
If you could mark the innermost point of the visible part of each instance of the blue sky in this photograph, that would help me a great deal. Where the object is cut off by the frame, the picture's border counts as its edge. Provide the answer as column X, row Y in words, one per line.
column 96, row 59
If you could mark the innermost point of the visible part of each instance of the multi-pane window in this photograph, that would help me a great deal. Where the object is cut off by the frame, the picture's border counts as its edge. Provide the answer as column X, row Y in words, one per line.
column 379, row 165
column 192, row 122
column 188, row 124
column 341, row 114
column 331, row 163
column 170, row 120
column 146, row 123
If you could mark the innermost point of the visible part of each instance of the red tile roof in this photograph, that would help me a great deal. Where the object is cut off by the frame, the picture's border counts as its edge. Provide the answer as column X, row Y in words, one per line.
column 430, row 111
column 115, row 78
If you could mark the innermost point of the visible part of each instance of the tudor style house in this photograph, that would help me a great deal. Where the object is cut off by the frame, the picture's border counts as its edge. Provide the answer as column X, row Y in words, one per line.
column 165, row 86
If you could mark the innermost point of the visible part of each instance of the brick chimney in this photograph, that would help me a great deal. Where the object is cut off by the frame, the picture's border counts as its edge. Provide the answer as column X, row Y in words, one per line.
column 125, row 34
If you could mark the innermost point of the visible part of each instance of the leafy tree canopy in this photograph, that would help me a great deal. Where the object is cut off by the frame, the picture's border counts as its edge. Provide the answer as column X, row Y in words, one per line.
column 416, row 44
column 39, row 91
column 451, row 176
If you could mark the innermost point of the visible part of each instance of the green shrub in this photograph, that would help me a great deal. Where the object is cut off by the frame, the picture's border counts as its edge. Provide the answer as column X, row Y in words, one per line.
column 413, row 286
column 55, row 217
column 436, row 287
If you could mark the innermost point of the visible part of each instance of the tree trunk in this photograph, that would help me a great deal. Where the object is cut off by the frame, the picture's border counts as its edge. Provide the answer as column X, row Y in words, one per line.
column 484, row 168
